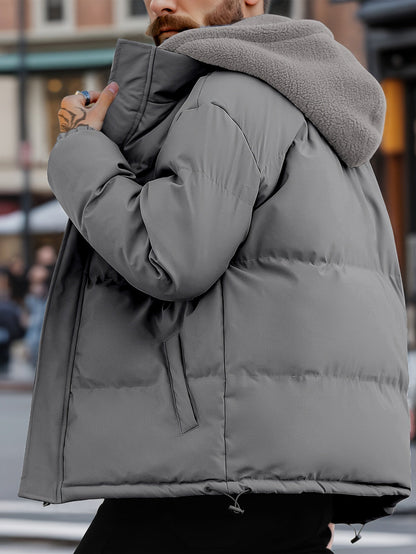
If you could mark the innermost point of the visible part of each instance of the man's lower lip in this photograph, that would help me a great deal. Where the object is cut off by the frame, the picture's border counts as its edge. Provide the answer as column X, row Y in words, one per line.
column 164, row 32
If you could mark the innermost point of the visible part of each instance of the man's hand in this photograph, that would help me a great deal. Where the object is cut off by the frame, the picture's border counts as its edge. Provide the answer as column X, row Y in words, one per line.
column 73, row 111
column 332, row 527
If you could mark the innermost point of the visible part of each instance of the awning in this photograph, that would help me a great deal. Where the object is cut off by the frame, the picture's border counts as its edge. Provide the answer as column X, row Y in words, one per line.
column 66, row 59
column 46, row 218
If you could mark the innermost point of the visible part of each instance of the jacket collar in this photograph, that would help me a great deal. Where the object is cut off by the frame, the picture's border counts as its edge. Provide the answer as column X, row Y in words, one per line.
column 146, row 75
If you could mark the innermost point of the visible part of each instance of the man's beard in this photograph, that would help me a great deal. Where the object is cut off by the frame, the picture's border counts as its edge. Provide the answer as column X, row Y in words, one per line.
column 226, row 13
column 229, row 11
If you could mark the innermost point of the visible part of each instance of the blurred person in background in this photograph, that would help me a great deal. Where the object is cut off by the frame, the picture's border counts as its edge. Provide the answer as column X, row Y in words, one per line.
column 46, row 255
column 18, row 278
column 11, row 321
column 35, row 304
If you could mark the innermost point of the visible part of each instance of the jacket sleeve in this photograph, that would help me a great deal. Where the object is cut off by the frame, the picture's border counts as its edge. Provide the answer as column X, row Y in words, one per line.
column 174, row 236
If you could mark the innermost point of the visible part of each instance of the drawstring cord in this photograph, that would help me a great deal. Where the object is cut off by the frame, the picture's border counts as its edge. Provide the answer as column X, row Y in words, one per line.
column 357, row 535
column 235, row 507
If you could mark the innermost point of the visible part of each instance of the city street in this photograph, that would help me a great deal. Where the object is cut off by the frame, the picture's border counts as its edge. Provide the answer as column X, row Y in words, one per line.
column 28, row 527
column 213, row 204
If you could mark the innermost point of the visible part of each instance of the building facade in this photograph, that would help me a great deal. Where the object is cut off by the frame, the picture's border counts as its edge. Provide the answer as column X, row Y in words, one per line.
column 70, row 45
column 391, row 52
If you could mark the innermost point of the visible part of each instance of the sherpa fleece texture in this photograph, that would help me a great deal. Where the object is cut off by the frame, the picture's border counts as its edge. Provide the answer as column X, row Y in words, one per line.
column 302, row 60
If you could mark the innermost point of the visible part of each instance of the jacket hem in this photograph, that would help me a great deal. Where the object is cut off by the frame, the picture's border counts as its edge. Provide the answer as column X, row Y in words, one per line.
column 72, row 493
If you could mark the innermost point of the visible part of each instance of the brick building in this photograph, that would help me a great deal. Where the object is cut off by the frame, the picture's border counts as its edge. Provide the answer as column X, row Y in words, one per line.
column 70, row 46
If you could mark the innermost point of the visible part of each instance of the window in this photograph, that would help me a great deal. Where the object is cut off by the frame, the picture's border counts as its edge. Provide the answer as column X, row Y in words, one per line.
column 136, row 7
column 51, row 16
column 54, row 10
column 131, row 15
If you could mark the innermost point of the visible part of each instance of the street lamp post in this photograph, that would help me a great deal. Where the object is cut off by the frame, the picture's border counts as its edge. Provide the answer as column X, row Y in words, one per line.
column 24, row 152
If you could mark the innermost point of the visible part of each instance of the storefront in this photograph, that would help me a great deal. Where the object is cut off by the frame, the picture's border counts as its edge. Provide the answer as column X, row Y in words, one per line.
column 391, row 54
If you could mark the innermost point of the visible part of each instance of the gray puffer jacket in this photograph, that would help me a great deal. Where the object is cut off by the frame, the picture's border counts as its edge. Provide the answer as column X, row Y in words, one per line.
column 227, row 313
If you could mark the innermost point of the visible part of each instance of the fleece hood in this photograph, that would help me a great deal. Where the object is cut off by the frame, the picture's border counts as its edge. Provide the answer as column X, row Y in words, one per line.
column 301, row 59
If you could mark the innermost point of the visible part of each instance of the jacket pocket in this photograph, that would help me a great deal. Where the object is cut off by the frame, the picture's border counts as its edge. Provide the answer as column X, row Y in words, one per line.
column 181, row 395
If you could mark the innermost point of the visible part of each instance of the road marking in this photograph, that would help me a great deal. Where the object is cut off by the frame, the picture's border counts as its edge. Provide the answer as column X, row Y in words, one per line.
column 58, row 530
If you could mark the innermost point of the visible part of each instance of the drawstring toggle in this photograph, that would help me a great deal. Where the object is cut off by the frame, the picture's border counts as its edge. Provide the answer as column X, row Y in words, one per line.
column 357, row 535
column 236, row 508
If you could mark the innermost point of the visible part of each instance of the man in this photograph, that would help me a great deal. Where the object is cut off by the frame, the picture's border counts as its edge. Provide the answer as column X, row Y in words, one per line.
column 239, row 324
column 11, row 322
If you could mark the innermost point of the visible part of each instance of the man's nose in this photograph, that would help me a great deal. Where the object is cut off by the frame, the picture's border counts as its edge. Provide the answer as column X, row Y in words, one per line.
column 160, row 7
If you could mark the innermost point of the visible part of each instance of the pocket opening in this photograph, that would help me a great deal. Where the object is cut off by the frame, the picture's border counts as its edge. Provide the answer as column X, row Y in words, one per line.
column 181, row 394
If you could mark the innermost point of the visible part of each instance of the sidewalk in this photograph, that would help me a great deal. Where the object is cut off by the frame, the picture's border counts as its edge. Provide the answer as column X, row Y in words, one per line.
column 26, row 519
column 408, row 506
column 21, row 373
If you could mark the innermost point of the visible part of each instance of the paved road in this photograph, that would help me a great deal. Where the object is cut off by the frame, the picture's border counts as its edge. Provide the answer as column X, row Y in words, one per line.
column 63, row 525
column 392, row 535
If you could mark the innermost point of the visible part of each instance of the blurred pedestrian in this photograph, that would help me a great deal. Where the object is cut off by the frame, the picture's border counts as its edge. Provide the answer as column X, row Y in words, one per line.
column 18, row 278
column 46, row 255
column 35, row 304
column 11, row 324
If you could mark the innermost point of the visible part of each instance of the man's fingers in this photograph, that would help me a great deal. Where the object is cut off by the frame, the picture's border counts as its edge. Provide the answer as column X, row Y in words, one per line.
column 94, row 95
column 80, row 98
column 74, row 112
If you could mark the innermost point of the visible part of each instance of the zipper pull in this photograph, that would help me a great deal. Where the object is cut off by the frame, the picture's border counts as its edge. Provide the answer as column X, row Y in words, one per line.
column 46, row 504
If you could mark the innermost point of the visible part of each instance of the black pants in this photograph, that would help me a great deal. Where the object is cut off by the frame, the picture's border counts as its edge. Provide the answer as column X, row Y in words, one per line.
column 271, row 524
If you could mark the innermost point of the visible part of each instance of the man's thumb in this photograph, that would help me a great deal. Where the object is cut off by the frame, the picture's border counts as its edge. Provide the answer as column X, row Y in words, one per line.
column 113, row 87
column 108, row 95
